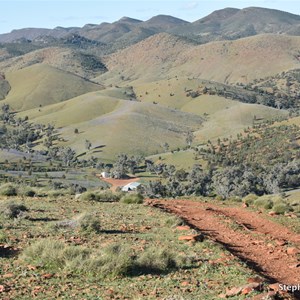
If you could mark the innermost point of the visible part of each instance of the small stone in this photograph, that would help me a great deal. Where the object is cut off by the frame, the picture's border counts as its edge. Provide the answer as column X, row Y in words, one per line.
column 182, row 228
column 272, row 213
column 192, row 238
column 280, row 242
column 274, row 287
column 292, row 251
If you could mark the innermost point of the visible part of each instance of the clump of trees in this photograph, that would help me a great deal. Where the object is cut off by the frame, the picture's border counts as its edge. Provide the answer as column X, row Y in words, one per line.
column 262, row 160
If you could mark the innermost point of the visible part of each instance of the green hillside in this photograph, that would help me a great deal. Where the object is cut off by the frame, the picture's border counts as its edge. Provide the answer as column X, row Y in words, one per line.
column 117, row 125
column 41, row 85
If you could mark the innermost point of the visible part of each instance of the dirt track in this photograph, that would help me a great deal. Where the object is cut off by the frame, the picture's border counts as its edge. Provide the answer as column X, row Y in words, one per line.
column 266, row 247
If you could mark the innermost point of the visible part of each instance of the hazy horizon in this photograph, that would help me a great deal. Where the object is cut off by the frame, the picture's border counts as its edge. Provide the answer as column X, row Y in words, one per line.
column 67, row 13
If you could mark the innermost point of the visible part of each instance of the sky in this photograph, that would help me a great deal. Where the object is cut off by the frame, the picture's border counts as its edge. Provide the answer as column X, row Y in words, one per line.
column 69, row 13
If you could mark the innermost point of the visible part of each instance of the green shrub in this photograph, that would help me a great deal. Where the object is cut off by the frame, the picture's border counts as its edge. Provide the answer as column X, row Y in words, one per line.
column 264, row 202
column 107, row 196
column 13, row 210
column 89, row 223
column 156, row 260
column 281, row 208
column 132, row 199
column 235, row 199
column 114, row 260
column 8, row 190
column 57, row 193
column 54, row 255
column 27, row 192
column 174, row 221
column 249, row 199
column 3, row 237
column 85, row 223
column 277, row 199
column 88, row 196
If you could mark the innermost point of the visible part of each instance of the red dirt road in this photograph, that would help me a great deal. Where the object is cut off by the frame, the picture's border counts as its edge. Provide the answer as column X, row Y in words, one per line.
column 267, row 247
column 118, row 182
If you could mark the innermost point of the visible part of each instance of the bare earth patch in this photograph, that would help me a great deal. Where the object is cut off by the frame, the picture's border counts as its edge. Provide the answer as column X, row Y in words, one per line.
column 118, row 182
column 272, row 250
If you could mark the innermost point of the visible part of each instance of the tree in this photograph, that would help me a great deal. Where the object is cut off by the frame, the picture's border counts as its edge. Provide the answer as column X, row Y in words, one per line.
column 88, row 145
column 189, row 138
column 67, row 155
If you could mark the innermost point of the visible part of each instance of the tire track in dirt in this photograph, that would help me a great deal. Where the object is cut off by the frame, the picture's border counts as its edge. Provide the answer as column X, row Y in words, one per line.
column 259, row 242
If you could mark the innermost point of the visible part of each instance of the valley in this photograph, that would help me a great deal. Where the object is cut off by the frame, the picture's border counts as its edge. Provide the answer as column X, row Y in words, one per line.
column 203, row 115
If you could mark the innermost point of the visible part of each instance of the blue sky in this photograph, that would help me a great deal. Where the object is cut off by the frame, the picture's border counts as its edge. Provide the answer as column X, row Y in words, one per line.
column 68, row 13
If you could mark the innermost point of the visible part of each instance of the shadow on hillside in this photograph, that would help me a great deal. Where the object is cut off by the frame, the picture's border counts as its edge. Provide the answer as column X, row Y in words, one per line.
column 46, row 219
column 118, row 231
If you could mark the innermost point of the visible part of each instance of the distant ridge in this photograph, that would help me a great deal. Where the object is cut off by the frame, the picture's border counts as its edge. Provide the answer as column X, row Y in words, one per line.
column 227, row 23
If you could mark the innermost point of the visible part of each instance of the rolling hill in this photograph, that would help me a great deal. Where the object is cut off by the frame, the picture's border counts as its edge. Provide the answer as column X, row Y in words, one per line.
column 41, row 85
column 243, row 60
column 232, row 23
column 70, row 60
column 116, row 125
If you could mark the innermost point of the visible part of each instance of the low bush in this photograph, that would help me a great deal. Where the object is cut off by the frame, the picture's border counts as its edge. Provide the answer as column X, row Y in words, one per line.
column 174, row 221
column 107, row 196
column 235, row 199
column 8, row 190
column 88, row 196
column 85, row 223
column 12, row 210
column 264, row 202
column 27, row 192
column 155, row 261
column 249, row 199
column 113, row 261
column 89, row 223
column 54, row 255
column 3, row 237
column 132, row 199
column 281, row 208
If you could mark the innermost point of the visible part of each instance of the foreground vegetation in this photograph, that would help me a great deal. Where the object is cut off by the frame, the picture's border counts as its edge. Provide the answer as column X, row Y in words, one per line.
column 124, row 251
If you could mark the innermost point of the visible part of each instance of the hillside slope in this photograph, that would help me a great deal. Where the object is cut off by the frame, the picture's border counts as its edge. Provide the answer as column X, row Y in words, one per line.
column 70, row 60
column 41, row 85
column 244, row 60
column 115, row 125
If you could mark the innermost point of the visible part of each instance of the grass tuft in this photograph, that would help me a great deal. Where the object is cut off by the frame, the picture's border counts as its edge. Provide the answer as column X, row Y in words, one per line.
column 12, row 210
column 8, row 190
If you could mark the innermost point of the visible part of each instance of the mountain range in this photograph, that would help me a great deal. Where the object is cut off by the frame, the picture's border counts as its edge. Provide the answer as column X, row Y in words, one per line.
column 131, row 84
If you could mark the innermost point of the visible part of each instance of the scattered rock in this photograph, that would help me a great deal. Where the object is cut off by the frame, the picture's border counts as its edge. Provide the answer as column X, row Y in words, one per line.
column 8, row 275
column 245, row 205
column 272, row 213
column 292, row 251
column 182, row 228
column 192, row 238
column 274, row 287
column 233, row 292
column 264, row 296
column 280, row 242
column 255, row 280
column 294, row 266
column 47, row 276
